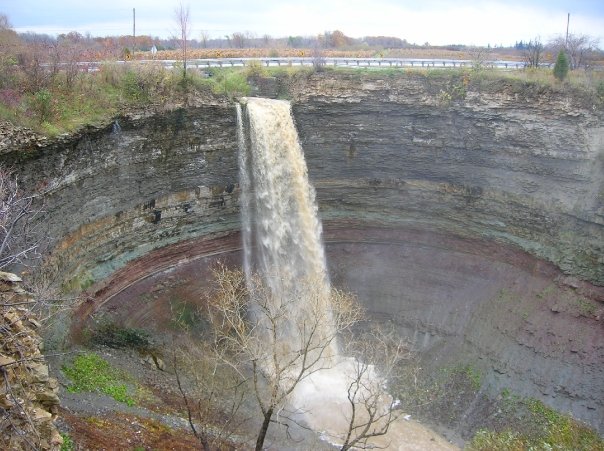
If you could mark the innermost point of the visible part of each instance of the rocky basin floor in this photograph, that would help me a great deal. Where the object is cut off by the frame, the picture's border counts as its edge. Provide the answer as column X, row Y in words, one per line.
column 96, row 421
column 158, row 420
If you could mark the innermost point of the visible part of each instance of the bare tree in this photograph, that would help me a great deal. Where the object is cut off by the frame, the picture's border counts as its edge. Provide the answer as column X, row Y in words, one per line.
column 4, row 22
column 372, row 408
column 579, row 48
column 533, row 52
column 19, row 240
column 31, row 59
column 182, row 18
column 479, row 56
column 318, row 57
column 267, row 41
column 9, row 47
column 22, row 243
column 238, row 40
column 204, row 38
column 264, row 337
column 21, row 425
column 69, row 50
column 216, row 393
column 338, row 39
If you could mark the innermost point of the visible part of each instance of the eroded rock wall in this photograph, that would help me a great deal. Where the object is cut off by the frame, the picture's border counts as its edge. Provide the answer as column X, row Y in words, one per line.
column 514, row 163
column 511, row 163
column 501, row 184
column 116, row 193
column 28, row 396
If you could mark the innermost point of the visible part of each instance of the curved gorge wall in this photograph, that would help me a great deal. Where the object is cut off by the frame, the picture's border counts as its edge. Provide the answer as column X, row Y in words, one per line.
column 114, row 196
column 475, row 224
column 510, row 164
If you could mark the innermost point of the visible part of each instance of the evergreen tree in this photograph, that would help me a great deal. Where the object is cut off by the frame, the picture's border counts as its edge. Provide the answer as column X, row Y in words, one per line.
column 561, row 67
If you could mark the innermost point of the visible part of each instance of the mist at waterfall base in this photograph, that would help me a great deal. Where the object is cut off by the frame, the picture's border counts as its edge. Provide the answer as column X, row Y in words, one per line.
column 283, row 246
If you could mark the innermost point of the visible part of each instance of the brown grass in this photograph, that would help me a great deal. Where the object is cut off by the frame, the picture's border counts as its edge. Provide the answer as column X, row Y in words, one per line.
column 119, row 431
column 427, row 53
column 288, row 52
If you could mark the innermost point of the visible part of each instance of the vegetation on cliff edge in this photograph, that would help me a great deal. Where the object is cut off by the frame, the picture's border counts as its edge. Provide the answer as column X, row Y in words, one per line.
column 56, row 104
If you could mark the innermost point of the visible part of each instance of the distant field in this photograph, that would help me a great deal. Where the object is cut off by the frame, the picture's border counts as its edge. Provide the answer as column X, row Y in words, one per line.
column 433, row 53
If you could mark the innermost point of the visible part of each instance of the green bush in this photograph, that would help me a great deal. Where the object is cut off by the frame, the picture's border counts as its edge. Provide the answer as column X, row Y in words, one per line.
column 231, row 83
column 442, row 396
column 485, row 440
column 199, row 79
column 561, row 67
column 90, row 372
column 132, row 87
column 42, row 104
column 600, row 91
column 255, row 69
column 111, row 73
column 528, row 424
column 68, row 443
column 80, row 282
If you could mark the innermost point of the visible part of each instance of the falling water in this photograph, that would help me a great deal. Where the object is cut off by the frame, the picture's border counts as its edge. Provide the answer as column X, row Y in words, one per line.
column 282, row 243
column 281, row 229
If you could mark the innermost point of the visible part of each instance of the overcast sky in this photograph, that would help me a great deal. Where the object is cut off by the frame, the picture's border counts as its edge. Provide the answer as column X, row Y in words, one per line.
column 467, row 22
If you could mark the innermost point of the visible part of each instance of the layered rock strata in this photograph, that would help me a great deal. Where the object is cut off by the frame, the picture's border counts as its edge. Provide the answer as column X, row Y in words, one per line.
column 474, row 209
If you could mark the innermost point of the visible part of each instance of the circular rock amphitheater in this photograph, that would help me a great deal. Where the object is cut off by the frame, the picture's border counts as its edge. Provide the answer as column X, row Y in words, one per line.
column 473, row 225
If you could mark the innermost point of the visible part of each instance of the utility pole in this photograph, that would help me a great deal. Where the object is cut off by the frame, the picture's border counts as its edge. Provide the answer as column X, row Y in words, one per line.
column 133, row 31
column 567, row 24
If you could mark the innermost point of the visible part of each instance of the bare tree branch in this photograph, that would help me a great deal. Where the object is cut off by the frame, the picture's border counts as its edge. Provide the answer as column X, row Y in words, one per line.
column 19, row 240
column 580, row 49
column 533, row 53
column 182, row 18
column 372, row 408
column 281, row 341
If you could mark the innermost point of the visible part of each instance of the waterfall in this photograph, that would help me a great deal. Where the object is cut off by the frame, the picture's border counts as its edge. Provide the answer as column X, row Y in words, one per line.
column 280, row 225
column 283, row 248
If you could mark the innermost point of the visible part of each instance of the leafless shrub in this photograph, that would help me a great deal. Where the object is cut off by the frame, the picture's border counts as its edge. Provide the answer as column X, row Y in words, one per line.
column 533, row 53
column 183, row 22
column 378, row 354
column 20, row 241
column 275, row 344
column 215, row 398
column 318, row 57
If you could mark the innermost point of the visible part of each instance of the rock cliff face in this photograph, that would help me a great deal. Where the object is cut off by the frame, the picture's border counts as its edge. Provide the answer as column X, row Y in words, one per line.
column 113, row 196
column 511, row 164
column 470, row 213
column 28, row 396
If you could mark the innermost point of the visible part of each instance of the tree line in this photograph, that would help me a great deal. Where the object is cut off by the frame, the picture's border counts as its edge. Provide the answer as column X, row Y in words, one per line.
column 580, row 49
